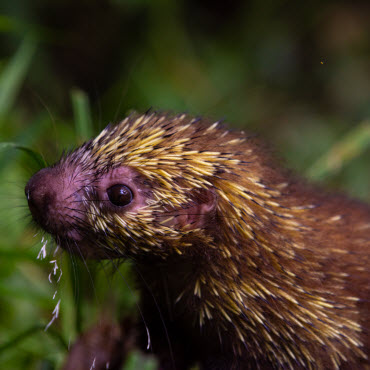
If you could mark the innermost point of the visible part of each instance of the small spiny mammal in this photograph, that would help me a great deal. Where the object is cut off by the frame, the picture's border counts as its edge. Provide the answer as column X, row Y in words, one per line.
column 248, row 266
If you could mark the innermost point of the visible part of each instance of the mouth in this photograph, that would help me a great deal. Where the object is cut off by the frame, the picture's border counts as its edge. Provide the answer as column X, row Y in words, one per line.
column 86, row 248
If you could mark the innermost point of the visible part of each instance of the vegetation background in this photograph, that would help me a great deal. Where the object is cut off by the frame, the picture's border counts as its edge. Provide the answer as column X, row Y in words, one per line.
column 298, row 73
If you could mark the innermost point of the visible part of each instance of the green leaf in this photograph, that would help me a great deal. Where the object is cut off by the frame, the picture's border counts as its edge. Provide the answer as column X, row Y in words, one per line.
column 30, row 332
column 14, row 73
column 34, row 155
column 137, row 360
column 82, row 114
column 350, row 147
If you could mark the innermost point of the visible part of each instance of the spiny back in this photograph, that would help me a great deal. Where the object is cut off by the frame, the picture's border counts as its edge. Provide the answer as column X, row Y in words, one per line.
column 276, row 270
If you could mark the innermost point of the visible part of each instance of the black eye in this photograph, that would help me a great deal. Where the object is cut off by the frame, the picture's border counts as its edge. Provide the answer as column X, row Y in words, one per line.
column 120, row 195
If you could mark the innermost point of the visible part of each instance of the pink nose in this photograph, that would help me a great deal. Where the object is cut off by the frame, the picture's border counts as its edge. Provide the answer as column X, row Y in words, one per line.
column 40, row 192
column 47, row 199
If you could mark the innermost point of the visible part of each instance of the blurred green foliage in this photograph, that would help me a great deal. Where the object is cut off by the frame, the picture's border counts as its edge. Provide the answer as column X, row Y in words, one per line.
column 297, row 73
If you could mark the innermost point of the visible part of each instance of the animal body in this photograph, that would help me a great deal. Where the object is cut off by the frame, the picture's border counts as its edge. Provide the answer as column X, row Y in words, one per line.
column 241, row 265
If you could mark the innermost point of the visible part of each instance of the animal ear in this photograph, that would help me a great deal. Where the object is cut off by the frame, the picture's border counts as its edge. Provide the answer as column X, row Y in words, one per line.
column 207, row 201
column 204, row 208
column 198, row 212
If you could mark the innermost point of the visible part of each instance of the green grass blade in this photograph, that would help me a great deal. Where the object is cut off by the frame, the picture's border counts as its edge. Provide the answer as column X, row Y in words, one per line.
column 13, row 74
column 82, row 114
column 34, row 155
column 21, row 336
column 31, row 332
column 137, row 360
column 350, row 147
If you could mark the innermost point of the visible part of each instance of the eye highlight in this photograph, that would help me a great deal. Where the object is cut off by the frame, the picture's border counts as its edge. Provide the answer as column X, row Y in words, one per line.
column 120, row 195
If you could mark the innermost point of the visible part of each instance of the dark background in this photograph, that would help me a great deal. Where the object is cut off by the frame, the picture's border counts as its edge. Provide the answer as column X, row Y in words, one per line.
column 297, row 73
